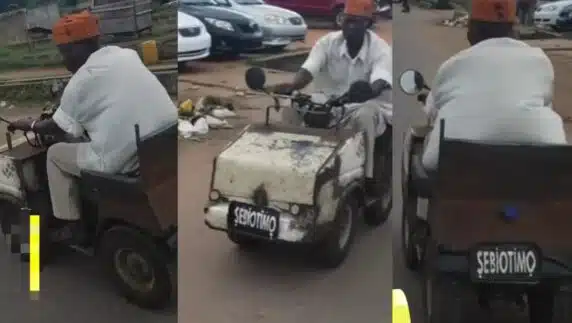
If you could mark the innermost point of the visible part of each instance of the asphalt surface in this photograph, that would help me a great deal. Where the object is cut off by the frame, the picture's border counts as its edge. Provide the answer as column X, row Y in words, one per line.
column 72, row 289
column 421, row 45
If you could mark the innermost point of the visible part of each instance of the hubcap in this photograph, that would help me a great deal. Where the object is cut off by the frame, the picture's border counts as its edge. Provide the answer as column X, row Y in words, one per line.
column 134, row 270
column 346, row 227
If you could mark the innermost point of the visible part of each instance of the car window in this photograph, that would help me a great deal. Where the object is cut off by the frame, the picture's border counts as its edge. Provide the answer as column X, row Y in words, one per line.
column 223, row 3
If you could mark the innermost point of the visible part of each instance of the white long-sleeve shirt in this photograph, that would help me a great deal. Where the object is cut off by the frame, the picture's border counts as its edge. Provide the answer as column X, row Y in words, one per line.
column 111, row 93
column 497, row 91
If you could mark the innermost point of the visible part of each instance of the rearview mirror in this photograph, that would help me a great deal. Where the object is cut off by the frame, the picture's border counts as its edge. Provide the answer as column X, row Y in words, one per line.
column 360, row 91
column 411, row 82
column 255, row 78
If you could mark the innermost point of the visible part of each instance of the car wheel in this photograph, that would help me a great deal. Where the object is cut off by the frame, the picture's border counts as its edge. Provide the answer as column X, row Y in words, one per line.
column 140, row 270
column 331, row 252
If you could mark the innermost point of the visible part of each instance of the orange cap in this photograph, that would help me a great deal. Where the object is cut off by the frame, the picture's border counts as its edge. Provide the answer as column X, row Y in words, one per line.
column 493, row 10
column 75, row 27
column 361, row 8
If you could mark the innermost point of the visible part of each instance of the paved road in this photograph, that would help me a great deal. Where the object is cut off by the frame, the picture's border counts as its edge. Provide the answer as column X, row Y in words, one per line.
column 220, row 284
column 72, row 290
column 421, row 45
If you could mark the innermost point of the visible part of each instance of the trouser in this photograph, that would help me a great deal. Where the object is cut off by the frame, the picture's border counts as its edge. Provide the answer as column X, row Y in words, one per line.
column 524, row 13
column 365, row 117
column 63, row 172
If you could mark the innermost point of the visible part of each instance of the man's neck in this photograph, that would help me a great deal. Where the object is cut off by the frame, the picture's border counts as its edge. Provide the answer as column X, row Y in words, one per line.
column 354, row 47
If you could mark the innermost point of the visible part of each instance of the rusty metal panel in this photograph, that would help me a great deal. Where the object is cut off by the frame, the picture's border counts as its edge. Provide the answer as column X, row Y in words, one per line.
column 125, row 16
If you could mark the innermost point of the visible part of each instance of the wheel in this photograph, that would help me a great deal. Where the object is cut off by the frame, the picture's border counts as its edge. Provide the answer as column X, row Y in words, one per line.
column 378, row 213
column 137, row 266
column 181, row 66
column 338, row 17
column 332, row 251
column 411, row 242
column 562, row 312
column 276, row 49
column 448, row 301
column 244, row 242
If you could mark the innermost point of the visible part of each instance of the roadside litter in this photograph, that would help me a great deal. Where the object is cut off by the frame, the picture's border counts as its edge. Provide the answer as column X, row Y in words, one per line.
column 459, row 20
column 195, row 120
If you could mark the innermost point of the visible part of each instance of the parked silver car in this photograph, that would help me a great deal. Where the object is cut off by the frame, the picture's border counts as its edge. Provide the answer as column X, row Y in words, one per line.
column 280, row 26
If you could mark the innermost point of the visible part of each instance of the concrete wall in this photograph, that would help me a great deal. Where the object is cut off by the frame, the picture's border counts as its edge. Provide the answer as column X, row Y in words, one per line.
column 13, row 27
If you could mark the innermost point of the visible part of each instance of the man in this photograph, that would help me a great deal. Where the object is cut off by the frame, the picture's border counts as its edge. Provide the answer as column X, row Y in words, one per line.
column 340, row 58
column 109, row 92
column 524, row 11
column 406, row 7
column 498, row 90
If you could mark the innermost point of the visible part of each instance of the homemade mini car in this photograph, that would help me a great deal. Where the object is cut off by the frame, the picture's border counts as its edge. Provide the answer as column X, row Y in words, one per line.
column 278, row 183
column 130, row 220
column 497, row 228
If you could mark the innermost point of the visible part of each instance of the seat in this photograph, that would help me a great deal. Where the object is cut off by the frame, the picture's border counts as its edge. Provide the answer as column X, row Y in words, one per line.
column 150, row 150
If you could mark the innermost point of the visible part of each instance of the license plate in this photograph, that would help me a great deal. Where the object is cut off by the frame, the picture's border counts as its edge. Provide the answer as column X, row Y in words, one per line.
column 505, row 263
column 253, row 220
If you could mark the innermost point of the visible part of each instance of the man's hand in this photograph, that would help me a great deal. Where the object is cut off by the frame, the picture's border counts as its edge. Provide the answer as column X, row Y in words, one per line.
column 21, row 124
column 281, row 88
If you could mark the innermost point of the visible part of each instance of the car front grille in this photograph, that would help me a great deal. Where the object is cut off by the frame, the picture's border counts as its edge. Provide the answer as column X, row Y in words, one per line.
column 295, row 21
column 190, row 32
column 248, row 28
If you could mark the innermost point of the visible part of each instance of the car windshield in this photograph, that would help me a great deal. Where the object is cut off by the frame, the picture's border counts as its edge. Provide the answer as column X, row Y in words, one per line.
column 249, row 2
column 199, row 2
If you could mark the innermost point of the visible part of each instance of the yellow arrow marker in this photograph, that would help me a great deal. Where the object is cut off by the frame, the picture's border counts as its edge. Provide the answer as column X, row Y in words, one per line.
column 34, row 255
column 400, row 311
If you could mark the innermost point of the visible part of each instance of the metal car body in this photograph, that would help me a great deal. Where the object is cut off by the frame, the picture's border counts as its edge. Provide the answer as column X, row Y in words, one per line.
column 548, row 15
column 280, row 26
column 193, row 39
column 300, row 173
column 230, row 30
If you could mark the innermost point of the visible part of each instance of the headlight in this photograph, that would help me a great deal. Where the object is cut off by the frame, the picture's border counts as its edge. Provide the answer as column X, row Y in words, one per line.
column 275, row 20
column 549, row 8
column 222, row 24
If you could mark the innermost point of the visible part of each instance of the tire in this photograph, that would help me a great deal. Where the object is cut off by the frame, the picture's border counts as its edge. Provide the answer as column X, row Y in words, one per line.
column 378, row 213
column 562, row 312
column 329, row 254
column 276, row 49
column 124, row 241
column 413, row 258
column 182, row 67
column 338, row 15
column 448, row 301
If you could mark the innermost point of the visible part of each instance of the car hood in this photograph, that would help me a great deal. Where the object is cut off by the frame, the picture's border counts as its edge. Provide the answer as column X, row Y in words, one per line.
column 556, row 4
column 185, row 20
column 261, row 10
column 202, row 12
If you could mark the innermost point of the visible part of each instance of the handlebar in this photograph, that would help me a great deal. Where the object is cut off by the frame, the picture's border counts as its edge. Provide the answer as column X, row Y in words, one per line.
column 304, row 104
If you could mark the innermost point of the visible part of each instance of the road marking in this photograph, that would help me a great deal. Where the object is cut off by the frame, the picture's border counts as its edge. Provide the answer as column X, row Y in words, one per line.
column 400, row 310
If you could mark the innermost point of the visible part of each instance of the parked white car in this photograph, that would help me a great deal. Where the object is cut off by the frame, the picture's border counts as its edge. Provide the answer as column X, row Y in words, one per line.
column 194, row 41
column 552, row 14
column 280, row 26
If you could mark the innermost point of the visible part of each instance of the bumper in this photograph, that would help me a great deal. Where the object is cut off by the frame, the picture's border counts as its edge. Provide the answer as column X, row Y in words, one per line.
column 236, row 42
column 283, row 35
column 544, row 20
column 193, row 48
column 290, row 228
